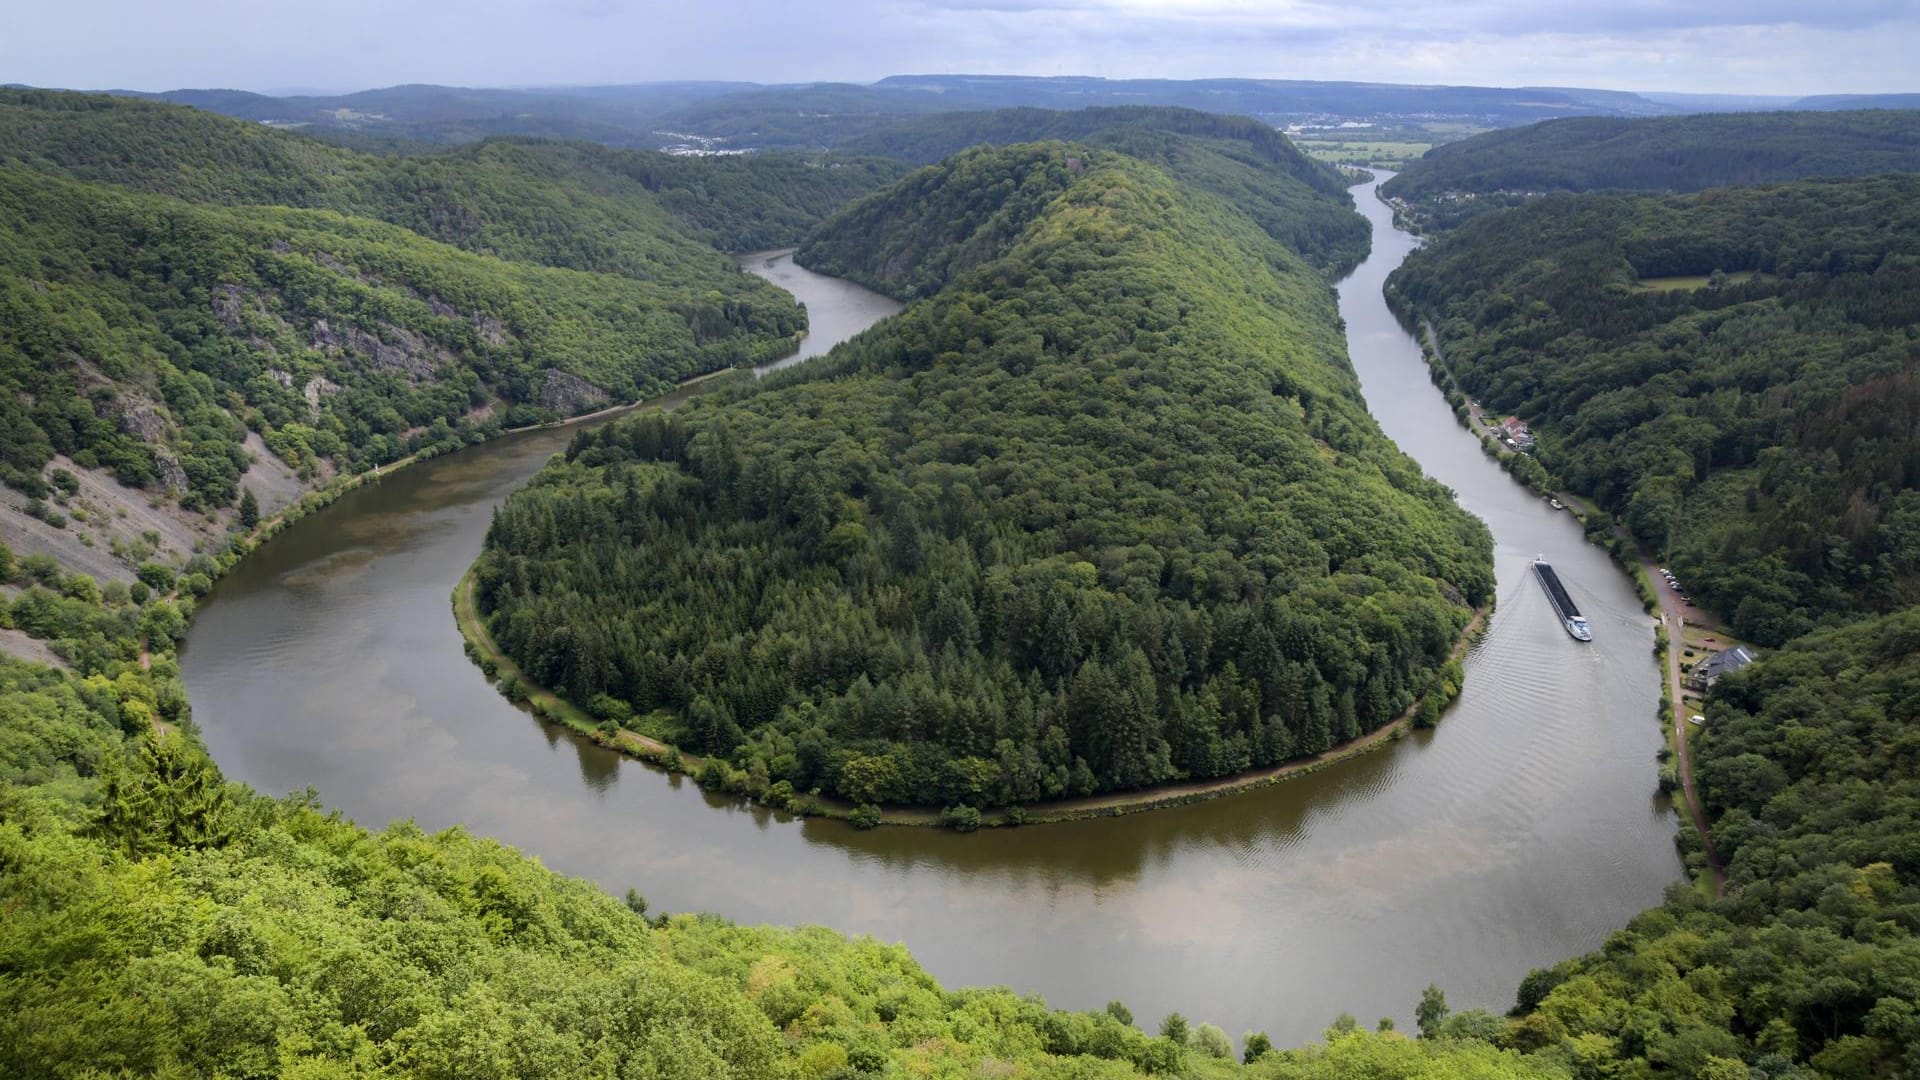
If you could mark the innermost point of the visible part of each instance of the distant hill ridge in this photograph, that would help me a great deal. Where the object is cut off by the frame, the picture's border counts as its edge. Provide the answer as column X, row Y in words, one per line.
column 1668, row 154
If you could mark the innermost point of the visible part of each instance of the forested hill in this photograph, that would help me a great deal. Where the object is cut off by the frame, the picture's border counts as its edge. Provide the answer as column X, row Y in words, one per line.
column 1106, row 510
column 1667, row 154
column 940, row 222
column 145, row 335
column 1733, row 372
column 194, row 306
column 573, row 205
column 1300, row 202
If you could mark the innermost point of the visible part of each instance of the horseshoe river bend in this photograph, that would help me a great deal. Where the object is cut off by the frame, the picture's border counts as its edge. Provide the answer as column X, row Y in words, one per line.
column 1520, row 831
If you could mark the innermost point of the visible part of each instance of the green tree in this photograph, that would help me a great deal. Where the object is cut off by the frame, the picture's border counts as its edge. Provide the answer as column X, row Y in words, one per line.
column 1254, row 1046
column 1174, row 1027
column 1432, row 1011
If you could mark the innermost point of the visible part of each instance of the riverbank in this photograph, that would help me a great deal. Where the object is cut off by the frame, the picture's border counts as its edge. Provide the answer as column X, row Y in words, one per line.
column 1640, row 566
column 546, row 705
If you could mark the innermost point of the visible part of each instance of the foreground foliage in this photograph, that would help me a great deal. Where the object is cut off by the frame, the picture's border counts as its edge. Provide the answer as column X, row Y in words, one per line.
column 1106, row 511
column 1759, row 428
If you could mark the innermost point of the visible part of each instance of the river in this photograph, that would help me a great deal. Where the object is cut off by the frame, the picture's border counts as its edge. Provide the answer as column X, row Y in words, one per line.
column 1521, row 831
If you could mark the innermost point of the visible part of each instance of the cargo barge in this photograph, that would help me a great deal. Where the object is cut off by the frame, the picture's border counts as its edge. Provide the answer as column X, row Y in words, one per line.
column 1570, row 616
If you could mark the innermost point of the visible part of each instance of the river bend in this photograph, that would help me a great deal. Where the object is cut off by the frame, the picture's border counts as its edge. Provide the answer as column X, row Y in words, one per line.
column 1522, row 830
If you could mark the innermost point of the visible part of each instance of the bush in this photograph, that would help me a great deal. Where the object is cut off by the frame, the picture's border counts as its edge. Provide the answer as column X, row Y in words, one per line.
column 867, row 816
column 1212, row 1041
column 157, row 576
column 962, row 818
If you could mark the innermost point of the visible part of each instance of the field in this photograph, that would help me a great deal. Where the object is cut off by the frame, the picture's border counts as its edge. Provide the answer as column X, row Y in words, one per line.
column 1694, row 281
column 1389, row 154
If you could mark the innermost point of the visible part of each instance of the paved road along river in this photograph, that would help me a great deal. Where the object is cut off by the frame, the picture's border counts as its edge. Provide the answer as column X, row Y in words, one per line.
column 1522, row 830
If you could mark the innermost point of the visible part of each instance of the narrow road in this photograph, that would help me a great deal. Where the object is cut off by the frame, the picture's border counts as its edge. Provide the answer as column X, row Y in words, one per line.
column 1673, row 614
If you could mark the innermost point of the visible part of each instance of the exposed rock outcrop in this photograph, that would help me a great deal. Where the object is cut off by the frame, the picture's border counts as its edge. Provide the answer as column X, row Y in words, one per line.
column 229, row 304
column 172, row 476
column 569, row 394
column 141, row 417
column 407, row 351
column 491, row 330
column 317, row 387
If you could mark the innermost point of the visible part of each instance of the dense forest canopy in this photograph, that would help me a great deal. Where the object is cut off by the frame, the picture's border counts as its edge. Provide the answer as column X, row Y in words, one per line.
column 147, row 335
column 1298, row 201
column 172, row 279
column 1664, row 154
column 1760, row 428
column 1106, row 510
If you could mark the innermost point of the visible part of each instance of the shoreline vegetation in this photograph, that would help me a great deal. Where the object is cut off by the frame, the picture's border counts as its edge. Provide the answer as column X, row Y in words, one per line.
column 545, row 705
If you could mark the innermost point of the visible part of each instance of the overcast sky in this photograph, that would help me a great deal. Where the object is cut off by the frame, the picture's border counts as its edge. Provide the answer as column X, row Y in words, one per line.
column 1717, row 46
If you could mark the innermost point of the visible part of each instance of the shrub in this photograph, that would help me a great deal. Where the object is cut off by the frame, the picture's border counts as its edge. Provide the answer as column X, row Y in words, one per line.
column 962, row 818
column 157, row 576
column 867, row 816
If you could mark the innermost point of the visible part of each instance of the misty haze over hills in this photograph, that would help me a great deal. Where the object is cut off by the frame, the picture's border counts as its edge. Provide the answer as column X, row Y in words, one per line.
column 817, row 115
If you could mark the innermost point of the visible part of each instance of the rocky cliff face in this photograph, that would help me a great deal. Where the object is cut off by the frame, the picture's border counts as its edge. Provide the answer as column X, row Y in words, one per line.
column 569, row 394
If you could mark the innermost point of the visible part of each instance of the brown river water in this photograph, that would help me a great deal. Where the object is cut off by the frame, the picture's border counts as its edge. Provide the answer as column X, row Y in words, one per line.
column 1522, row 830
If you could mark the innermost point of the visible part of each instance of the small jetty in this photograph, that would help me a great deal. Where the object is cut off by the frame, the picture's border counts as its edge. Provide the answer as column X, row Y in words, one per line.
column 1563, row 605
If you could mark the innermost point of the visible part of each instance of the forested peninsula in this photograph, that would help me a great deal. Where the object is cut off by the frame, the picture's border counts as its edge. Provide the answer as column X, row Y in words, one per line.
column 1105, row 510
column 161, row 921
column 1732, row 373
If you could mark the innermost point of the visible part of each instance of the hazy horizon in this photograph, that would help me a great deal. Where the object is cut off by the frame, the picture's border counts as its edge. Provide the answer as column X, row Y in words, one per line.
column 1760, row 47
column 346, row 90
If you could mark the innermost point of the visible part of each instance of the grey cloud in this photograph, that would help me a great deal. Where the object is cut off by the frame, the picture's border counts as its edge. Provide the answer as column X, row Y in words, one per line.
column 1759, row 46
